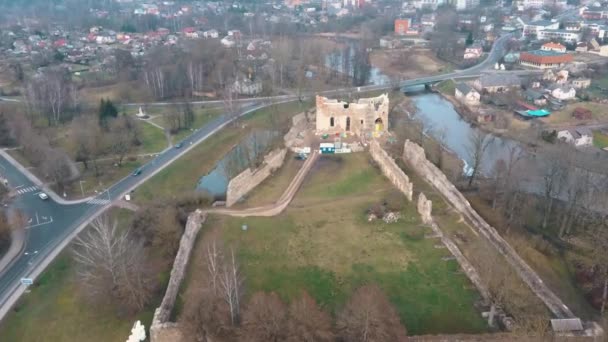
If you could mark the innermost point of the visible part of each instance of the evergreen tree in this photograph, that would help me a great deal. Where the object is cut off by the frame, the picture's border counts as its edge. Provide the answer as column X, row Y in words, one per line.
column 469, row 40
column 107, row 111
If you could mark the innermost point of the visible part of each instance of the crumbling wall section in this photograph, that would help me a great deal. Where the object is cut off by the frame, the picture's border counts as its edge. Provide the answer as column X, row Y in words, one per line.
column 414, row 155
column 247, row 180
column 162, row 330
column 391, row 170
column 425, row 206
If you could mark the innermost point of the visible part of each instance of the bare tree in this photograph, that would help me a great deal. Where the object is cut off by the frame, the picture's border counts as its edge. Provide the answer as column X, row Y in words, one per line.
column 554, row 178
column 231, row 282
column 307, row 322
column 112, row 264
column 231, row 105
column 214, row 258
column 120, row 140
column 265, row 318
column 476, row 148
column 598, row 260
column 369, row 317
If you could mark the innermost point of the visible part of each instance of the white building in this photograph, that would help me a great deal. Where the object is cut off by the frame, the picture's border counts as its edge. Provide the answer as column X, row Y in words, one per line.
column 211, row 34
column 564, row 93
column 565, row 35
column 577, row 136
column 430, row 4
column 466, row 94
column 533, row 28
column 228, row 41
column 553, row 47
column 245, row 86
column 462, row 5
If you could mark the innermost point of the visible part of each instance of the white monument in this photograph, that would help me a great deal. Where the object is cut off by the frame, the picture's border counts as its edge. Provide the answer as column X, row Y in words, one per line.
column 138, row 333
column 141, row 114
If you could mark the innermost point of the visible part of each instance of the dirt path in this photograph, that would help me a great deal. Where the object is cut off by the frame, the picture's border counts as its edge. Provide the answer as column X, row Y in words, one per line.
column 280, row 205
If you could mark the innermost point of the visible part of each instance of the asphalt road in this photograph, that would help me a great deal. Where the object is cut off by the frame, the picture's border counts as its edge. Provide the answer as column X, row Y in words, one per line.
column 51, row 225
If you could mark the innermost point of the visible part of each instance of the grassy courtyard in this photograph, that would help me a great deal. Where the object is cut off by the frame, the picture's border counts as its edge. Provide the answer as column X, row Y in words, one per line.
column 55, row 310
column 324, row 244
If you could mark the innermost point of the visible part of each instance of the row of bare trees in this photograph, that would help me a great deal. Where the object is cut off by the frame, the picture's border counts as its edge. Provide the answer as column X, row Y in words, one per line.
column 220, row 311
column 200, row 66
column 557, row 192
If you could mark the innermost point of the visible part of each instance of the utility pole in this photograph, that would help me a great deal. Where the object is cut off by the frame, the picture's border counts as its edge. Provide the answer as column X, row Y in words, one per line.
column 81, row 188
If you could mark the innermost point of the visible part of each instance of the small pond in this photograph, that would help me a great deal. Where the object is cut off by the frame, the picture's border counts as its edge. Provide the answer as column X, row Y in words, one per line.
column 242, row 156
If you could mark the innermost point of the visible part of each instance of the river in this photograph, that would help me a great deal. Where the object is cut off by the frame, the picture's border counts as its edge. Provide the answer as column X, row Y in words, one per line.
column 441, row 121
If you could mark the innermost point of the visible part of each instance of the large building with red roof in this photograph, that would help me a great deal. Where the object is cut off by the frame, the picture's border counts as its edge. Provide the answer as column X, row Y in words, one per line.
column 543, row 59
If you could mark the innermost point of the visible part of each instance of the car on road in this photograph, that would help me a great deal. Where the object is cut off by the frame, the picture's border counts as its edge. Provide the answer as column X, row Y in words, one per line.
column 179, row 145
column 43, row 196
column 137, row 172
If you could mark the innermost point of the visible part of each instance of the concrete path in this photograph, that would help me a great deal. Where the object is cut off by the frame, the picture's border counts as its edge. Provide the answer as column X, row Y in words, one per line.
column 280, row 205
column 17, row 246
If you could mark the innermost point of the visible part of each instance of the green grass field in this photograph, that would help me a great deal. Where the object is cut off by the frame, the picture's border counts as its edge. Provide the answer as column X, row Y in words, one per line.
column 324, row 244
column 55, row 310
column 153, row 139
column 600, row 140
column 447, row 87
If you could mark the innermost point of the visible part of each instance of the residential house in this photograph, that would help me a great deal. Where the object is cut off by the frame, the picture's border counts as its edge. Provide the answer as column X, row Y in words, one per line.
column 557, row 47
column 581, row 113
column 535, row 97
column 563, row 93
column 581, row 47
column 228, row 41
column 581, row 83
column 560, row 77
column 497, row 83
column 211, row 34
column 246, row 86
column 579, row 137
column 404, row 27
column 544, row 59
column 466, row 94
column 473, row 52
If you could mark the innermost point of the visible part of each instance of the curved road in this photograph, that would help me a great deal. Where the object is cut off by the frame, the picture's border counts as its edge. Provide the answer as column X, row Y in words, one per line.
column 53, row 223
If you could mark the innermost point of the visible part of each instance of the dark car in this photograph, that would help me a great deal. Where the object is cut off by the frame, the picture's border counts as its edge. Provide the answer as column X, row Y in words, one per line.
column 179, row 145
column 137, row 172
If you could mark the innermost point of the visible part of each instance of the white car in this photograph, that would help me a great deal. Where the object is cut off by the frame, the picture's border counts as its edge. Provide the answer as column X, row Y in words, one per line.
column 43, row 196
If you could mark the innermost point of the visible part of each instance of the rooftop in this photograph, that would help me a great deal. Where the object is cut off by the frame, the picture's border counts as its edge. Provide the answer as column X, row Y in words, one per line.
column 463, row 88
column 545, row 53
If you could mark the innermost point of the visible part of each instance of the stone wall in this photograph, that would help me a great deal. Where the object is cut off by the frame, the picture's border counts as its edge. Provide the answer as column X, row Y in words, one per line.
column 247, row 180
column 424, row 206
column 414, row 155
column 391, row 170
column 161, row 329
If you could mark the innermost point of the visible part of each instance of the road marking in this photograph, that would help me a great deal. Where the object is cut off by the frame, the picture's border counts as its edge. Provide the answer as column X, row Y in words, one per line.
column 98, row 201
column 44, row 221
column 26, row 190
